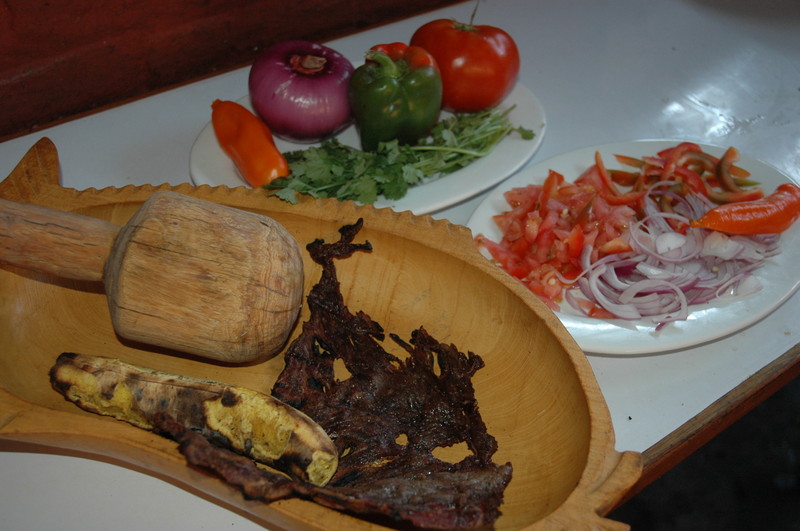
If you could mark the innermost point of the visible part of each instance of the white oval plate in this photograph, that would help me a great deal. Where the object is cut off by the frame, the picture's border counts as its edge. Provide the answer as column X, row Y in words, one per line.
column 208, row 164
column 779, row 276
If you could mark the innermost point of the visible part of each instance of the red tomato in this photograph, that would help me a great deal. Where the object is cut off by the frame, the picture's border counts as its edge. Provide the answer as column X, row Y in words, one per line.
column 479, row 64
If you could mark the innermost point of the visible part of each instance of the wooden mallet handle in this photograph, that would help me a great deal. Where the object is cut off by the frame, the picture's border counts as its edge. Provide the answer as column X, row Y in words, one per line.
column 62, row 244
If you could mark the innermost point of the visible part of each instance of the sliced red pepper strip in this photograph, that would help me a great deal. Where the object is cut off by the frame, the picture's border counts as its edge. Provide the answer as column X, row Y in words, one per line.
column 772, row 214
column 692, row 180
column 694, row 153
column 604, row 176
column 683, row 146
column 673, row 158
column 710, row 162
column 724, row 196
column 624, row 178
column 724, row 170
column 739, row 173
column 627, row 198
column 611, row 193
column 629, row 161
column 702, row 161
column 248, row 142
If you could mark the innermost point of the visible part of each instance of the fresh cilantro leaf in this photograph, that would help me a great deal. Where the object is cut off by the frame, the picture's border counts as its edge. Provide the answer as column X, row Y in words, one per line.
column 333, row 169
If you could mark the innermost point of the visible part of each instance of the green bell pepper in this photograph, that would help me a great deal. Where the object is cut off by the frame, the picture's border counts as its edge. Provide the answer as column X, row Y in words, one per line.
column 395, row 94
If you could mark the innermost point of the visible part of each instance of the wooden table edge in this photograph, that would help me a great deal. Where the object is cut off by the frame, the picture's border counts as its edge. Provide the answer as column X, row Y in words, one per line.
column 700, row 429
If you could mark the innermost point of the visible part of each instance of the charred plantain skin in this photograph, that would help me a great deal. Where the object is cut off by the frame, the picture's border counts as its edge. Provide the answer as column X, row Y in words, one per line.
column 248, row 422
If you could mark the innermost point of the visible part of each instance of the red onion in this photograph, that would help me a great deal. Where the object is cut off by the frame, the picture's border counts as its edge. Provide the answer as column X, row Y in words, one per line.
column 668, row 272
column 299, row 89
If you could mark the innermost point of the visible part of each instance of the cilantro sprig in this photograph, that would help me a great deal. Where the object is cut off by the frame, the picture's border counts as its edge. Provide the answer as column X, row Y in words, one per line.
column 335, row 170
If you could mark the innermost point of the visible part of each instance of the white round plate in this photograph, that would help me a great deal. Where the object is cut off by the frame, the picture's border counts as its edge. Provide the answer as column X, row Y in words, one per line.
column 208, row 164
column 779, row 276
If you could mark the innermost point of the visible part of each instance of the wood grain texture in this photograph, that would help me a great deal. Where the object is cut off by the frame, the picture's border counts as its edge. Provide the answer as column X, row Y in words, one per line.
column 182, row 273
column 204, row 278
column 537, row 393
column 59, row 243
column 58, row 59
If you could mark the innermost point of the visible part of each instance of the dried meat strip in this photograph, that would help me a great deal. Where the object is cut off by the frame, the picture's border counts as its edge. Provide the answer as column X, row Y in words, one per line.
column 452, row 500
column 387, row 415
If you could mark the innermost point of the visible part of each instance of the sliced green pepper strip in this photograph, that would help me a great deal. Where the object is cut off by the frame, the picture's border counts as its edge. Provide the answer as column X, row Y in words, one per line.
column 395, row 94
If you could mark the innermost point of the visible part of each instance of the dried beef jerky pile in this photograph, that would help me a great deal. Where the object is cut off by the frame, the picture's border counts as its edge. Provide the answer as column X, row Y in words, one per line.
column 386, row 416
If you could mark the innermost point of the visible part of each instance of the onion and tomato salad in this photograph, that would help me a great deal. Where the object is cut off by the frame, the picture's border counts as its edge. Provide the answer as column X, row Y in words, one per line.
column 626, row 244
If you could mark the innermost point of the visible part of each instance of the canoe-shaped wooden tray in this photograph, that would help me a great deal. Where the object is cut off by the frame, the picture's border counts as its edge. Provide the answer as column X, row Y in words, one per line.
column 537, row 392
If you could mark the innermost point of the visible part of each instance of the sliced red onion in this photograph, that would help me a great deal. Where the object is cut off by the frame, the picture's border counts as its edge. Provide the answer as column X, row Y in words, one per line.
column 721, row 246
column 666, row 242
column 668, row 271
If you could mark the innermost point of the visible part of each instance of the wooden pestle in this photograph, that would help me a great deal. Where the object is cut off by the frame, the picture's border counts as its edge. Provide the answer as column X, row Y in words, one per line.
column 183, row 273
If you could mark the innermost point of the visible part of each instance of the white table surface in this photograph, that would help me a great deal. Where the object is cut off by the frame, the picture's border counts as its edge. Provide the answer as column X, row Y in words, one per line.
column 713, row 71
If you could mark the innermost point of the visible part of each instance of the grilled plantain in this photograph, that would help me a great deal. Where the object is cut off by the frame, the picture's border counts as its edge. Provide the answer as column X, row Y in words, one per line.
column 246, row 421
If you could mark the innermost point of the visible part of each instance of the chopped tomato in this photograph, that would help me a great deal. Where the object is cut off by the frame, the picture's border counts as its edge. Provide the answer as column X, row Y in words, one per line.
column 593, row 310
column 574, row 242
column 547, row 228
column 614, row 246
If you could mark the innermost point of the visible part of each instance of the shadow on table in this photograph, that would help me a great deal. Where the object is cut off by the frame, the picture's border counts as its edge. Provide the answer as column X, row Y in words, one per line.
column 747, row 478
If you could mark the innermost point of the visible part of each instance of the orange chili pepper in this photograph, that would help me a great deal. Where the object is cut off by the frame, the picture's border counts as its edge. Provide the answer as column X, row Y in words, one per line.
column 769, row 215
column 248, row 142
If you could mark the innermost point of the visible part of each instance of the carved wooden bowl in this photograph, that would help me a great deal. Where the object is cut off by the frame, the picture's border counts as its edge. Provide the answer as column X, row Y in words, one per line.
column 537, row 392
